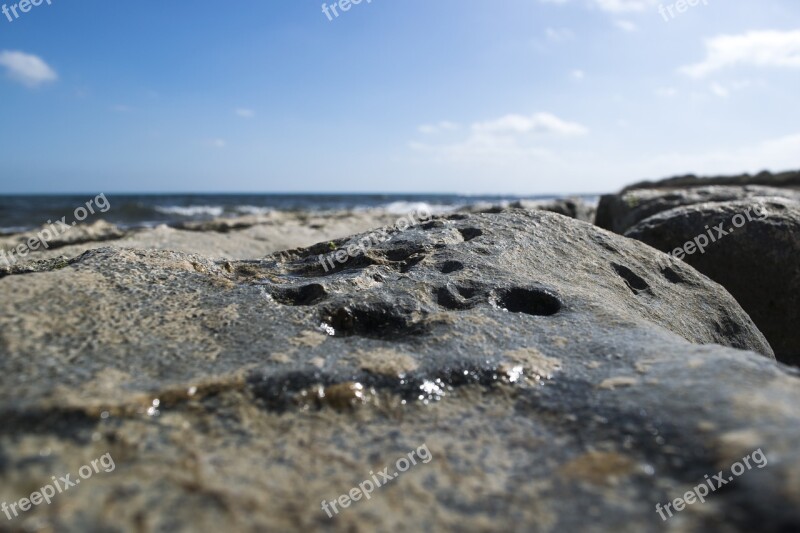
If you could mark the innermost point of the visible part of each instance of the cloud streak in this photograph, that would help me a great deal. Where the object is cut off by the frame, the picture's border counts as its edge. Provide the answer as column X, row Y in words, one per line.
column 614, row 6
column 775, row 49
column 509, row 135
column 27, row 69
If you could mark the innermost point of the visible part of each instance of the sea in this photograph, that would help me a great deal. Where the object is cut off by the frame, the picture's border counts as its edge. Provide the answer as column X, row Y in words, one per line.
column 24, row 212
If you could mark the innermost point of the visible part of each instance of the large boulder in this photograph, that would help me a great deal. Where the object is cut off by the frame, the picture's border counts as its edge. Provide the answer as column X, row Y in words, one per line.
column 547, row 375
column 619, row 212
column 789, row 178
column 755, row 254
column 571, row 206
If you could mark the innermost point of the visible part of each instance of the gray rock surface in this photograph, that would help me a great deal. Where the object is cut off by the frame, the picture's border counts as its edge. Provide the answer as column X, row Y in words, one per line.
column 235, row 238
column 573, row 207
column 576, row 208
column 789, row 178
column 758, row 263
column 561, row 377
column 619, row 212
column 57, row 236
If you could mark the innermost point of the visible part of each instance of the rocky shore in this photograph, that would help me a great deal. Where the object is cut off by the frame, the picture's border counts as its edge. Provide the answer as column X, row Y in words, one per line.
column 563, row 372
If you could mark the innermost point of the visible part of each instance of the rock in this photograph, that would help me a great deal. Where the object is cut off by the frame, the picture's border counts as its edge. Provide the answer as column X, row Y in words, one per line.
column 757, row 263
column 573, row 207
column 58, row 235
column 781, row 179
column 554, row 375
column 576, row 208
column 619, row 212
column 280, row 231
column 226, row 225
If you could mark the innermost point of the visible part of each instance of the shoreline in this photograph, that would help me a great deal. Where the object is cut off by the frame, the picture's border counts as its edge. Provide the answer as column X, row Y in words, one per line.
column 253, row 236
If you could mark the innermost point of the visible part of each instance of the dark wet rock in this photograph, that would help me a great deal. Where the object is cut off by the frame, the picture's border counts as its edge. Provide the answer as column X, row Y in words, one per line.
column 619, row 212
column 559, row 377
column 226, row 225
column 789, row 179
column 757, row 262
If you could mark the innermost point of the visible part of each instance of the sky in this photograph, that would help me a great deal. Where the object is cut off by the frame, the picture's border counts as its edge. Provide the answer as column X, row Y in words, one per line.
column 452, row 96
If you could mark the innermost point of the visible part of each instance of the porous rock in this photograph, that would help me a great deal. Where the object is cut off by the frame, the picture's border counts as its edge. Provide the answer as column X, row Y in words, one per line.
column 572, row 207
column 619, row 212
column 560, row 376
column 60, row 234
column 758, row 262
column 790, row 179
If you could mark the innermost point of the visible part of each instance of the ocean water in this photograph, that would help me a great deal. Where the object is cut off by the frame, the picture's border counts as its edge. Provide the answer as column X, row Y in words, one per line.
column 19, row 213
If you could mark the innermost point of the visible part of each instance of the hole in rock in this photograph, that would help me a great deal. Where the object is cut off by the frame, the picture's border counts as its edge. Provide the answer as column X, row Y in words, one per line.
column 403, row 250
column 470, row 233
column 449, row 267
column 433, row 224
column 635, row 282
column 305, row 295
column 537, row 302
column 671, row 275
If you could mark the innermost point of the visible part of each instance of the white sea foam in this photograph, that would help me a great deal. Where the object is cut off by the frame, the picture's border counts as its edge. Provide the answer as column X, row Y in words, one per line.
column 253, row 210
column 403, row 208
column 193, row 211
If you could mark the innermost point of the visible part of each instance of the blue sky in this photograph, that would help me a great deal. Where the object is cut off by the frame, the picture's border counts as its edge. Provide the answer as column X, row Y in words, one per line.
column 466, row 96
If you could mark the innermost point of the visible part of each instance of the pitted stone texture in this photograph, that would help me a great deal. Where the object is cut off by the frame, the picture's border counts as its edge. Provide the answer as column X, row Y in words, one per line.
column 559, row 379
column 757, row 262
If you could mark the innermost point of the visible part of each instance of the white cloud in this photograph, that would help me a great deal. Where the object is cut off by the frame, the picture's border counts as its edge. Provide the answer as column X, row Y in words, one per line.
column 244, row 112
column 217, row 143
column 613, row 6
column 538, row 123
column 755, row 48
column 27, row 69
column 624, row 6
column 511, row 136
column 577, row 74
